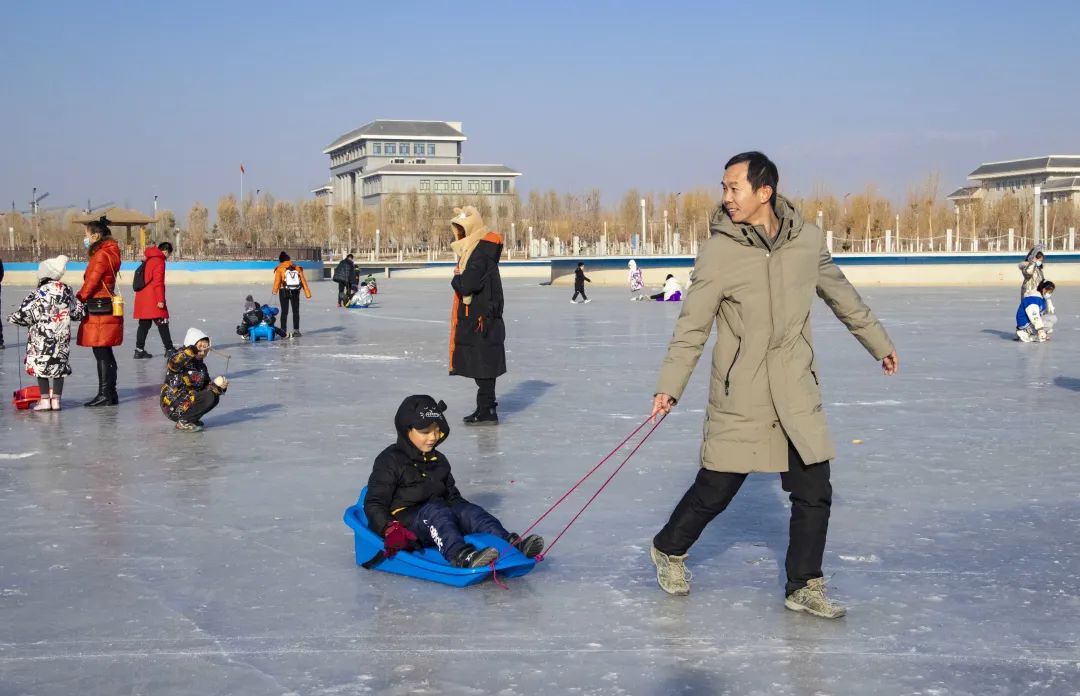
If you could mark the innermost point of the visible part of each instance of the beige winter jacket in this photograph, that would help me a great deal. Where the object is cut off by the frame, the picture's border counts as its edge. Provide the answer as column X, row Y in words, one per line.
column 764, row 386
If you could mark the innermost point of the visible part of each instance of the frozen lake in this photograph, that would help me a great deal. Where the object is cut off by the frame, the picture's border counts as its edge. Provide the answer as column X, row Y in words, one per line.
column 135, row 559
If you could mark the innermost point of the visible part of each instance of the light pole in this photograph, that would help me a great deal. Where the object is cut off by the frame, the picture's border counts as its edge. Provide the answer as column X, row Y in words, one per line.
column 644, row 231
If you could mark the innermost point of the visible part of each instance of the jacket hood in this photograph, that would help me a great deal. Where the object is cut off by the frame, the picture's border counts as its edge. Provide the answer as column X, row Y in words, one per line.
column 468, row 229
column 631, row 264
column 419, row 411
column 152, row 252
column 1037, row 249
column 791, row 224
column 194, row 335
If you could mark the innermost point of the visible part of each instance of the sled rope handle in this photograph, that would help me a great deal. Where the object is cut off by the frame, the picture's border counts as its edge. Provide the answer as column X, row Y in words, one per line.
column 540, row 557
column 583, row 478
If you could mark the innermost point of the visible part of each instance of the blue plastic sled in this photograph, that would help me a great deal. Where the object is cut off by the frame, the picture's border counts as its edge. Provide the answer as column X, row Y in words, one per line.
column 428, row 564
column 263, row 331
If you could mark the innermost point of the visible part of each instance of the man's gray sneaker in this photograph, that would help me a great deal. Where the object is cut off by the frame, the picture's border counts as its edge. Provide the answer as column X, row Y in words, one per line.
column 812, row 600
column 671, row 572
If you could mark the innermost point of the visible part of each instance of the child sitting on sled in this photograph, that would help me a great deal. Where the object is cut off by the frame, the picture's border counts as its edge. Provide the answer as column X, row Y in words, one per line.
column 255, row 315
column 412, row 500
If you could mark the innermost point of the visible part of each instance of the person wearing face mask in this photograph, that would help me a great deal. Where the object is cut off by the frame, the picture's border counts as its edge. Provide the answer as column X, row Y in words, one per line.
column 188, row 393
column 100, row 330
column 1036, row 317
column 1032, row 270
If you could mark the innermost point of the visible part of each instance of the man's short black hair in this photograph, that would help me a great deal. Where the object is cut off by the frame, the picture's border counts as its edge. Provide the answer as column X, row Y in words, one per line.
column 349, row 256
column 760, row 170
column 580, row 264
column 1046, row 285
column 166, row 247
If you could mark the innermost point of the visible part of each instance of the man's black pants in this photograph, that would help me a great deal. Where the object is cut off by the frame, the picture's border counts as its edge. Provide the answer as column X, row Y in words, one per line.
column 811, row 501
column 290, row 297
column 342, row 293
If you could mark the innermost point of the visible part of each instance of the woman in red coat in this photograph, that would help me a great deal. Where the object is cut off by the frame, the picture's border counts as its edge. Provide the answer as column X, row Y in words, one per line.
column 100, row 330
column 150, row 307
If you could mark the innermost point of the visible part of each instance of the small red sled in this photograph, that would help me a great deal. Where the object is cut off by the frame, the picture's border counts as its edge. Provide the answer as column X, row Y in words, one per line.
column 26, row 397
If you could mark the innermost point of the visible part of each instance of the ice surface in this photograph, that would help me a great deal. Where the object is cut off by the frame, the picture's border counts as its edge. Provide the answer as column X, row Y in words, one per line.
column 135, row 559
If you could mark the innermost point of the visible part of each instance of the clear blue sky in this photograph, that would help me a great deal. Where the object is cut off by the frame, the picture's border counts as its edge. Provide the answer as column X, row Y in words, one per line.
column 119, row 101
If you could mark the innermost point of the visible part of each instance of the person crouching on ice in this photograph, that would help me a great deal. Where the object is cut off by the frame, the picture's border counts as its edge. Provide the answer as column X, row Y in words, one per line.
column 1035, row 318
column 188, row 393
column 412, row 499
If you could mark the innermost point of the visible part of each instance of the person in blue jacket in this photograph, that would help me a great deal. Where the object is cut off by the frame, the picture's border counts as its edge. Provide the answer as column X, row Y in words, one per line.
column 1035, row 318
column 412, row 500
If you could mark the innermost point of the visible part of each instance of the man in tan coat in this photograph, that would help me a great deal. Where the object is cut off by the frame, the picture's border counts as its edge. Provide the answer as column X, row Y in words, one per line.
column 756, row 278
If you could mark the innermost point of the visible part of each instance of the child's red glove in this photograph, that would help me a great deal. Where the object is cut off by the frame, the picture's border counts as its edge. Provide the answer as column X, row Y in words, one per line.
column 396, row 538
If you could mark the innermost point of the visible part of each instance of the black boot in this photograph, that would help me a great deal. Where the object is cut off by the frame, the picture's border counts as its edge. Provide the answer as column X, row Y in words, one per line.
column 110, row 385
column 471, row 557
column 531, row 546
column 141, row 354
column 483, row 416
column 100, row 399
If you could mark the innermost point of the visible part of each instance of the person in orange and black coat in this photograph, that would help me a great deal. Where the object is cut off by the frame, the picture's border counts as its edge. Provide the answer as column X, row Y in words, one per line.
column 477, row 331
column 1, row 323
column 412, row 500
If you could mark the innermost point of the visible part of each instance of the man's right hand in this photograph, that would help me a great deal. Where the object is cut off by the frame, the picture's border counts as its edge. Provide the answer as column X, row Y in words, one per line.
column 661, row 403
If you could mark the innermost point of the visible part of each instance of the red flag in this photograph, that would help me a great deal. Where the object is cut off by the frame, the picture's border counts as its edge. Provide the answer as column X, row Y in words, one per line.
column 242, row 169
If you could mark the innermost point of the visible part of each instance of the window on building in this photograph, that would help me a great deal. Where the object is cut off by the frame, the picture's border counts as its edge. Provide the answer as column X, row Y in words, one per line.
column 455, row 185
column 390, row 149
column 421, row 161
column 431, row 149
column 474, row 185
column 418, row 148
column 485, row 186
column 376, row 148
column 442, row 186
column 398, row 160
column 425, row 185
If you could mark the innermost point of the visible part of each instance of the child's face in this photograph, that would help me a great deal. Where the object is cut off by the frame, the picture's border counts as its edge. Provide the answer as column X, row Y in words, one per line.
column 425, row 439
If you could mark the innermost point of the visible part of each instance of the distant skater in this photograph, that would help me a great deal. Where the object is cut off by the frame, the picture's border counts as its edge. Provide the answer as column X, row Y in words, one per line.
column 579, row 284
column 1031, row 268
column 1036, row 316
column 289, row 280
column 636, row 280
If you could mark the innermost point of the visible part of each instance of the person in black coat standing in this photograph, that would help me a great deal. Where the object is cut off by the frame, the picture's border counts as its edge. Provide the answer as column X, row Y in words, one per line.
column 477, row 331
column 1, row 323
column 579, row 284
column 343, row 274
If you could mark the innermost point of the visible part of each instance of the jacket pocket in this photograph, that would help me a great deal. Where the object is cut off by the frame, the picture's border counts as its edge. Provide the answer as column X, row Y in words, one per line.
column 727, row 376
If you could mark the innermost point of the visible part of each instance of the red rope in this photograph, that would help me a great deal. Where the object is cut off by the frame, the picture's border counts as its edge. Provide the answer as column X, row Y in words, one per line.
column 583, row 478
column 550, row 546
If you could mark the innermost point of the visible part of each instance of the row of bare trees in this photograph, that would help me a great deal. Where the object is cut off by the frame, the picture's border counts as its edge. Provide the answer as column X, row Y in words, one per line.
column 415, row 223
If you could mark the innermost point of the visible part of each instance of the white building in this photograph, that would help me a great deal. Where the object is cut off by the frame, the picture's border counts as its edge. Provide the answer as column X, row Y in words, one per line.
column 1057, row 175
column 386, row 158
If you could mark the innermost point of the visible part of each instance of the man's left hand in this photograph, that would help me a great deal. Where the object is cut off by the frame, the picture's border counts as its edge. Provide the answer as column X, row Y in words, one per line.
column 891, row 364
column 161, row 305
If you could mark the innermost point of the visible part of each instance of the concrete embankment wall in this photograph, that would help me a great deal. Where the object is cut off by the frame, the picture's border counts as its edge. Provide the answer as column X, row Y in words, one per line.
column 176, row 273
column 893, row 270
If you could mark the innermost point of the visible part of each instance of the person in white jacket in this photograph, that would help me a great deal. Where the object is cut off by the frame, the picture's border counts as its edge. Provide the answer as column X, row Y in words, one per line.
column 672, row 291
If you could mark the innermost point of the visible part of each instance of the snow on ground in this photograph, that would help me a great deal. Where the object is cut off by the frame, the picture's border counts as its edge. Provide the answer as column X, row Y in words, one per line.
column 135, row 559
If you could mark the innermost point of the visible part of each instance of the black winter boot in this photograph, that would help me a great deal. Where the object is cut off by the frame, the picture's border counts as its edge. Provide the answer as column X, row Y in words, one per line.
column 110, row 385
column 483, row 416
column 531, row 546
column 141, row 354
column 471, row 557
column 100, row 399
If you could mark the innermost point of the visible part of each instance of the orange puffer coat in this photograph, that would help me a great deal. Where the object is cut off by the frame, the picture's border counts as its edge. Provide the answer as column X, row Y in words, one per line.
column 99, row 280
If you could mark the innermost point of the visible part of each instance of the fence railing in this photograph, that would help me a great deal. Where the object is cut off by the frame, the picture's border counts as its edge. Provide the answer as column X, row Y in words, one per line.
column 136, row 254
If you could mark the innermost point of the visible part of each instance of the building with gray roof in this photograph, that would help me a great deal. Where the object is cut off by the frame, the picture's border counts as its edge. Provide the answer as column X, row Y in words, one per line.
column 387, row 158
column 1058, row 177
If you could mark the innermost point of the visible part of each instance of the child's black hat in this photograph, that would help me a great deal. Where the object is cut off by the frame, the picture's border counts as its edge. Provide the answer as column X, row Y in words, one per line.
column 419, row 411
